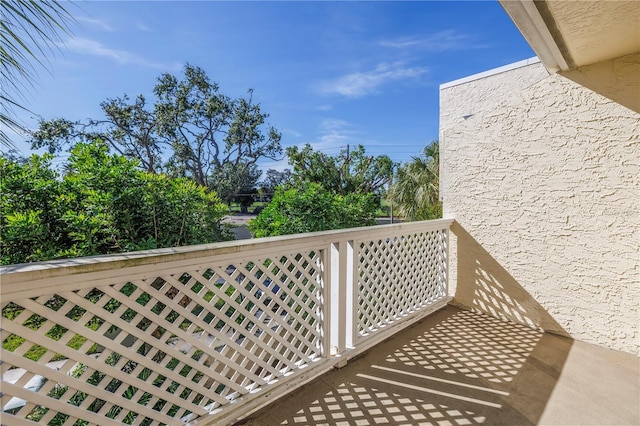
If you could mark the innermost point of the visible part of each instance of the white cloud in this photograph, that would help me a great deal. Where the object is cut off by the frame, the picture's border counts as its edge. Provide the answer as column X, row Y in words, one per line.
column 333, row 135
column 438, row 42
column 334, row 124
column 359, row 84
column 96, row 23
column 331, row 140
column 142, row 26
column 94, row 48
column 325, row 107
column 291, row 132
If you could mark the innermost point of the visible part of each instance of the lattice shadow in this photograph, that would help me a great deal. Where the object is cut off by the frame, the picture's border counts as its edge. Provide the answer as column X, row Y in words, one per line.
column 485, row 286
column 453, row 368
column 477, row 346
column 356, row 404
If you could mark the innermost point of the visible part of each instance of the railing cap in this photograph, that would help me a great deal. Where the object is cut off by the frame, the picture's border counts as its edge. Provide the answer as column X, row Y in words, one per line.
column 26, row 272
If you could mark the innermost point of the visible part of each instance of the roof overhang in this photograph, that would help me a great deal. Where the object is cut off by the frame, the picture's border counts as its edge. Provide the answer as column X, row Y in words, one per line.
column 568, row 34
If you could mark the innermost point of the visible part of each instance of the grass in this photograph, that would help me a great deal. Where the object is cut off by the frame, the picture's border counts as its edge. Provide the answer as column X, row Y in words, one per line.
column 235, row 207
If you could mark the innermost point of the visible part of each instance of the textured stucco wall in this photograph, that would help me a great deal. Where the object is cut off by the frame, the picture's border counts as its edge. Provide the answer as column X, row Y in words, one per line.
column 617, row 79
column 542, row 177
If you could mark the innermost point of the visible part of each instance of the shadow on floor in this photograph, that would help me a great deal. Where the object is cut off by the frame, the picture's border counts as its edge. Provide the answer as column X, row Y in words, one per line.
column 455, row 367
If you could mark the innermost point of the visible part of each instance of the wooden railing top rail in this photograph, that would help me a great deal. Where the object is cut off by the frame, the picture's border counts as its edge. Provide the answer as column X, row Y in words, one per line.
column 41, row 275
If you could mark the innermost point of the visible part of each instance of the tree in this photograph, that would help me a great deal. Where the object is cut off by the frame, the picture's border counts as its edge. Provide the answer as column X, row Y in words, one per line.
column 207, row 130
column 416, row 189
column 313, row 208
column 232, row 180
column 29, row 30
column 351, row 171
column 202, row 133
column 275, row 178
column 237, row 183
column 102, row 204
column 129, row 129
column 325, row 192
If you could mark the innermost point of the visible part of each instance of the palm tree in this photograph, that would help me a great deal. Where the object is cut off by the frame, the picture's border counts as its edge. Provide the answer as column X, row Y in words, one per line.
column 416, row 189
column 29, row 31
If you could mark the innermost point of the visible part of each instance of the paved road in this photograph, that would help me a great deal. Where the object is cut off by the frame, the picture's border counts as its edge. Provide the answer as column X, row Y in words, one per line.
column 239, row 222
column 241, row 232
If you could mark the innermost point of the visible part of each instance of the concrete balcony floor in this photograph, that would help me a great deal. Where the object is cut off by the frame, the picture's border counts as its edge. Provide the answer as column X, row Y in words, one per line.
column 458, row 368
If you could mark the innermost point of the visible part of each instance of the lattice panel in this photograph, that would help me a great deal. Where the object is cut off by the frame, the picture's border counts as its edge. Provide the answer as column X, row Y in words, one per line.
column 163, row 350
column 399, row 275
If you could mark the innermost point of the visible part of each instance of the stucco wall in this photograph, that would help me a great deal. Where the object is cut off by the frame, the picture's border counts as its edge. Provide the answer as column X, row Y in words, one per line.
column 542, row 177
column 617, row 79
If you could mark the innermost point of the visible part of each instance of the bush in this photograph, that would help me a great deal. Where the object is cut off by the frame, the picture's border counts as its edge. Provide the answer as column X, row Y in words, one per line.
column 313, row 208
column 102, row 204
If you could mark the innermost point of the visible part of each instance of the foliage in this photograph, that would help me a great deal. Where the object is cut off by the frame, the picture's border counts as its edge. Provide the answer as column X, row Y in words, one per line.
column 313, row 208
column 102, row 204
column 275, row 178
column 203, row 134
column 416, row 189
column 29, row 216
column 351, row 171
column 28, row 30
column 323, row 192
column 237, row 183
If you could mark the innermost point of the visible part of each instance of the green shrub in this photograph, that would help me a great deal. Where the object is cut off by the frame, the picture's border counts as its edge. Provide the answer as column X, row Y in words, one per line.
column 100, row 204
column 313, row 208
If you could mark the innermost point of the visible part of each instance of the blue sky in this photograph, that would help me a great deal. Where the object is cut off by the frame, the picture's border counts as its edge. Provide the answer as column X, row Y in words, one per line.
column 328, row 73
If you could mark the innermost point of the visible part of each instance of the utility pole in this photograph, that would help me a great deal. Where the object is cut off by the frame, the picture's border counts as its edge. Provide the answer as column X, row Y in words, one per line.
column 390, row 196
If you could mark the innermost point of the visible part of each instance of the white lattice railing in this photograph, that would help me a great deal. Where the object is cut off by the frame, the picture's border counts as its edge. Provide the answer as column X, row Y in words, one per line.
column 206, row 334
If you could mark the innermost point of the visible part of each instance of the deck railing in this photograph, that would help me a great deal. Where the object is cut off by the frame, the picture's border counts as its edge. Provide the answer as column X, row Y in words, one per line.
column 206, row 334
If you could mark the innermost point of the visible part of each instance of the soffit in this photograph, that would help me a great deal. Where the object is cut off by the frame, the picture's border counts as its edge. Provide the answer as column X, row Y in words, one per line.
column 568, row 34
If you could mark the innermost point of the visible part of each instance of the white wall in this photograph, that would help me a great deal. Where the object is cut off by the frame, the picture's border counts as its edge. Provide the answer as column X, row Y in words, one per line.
column 542, row 177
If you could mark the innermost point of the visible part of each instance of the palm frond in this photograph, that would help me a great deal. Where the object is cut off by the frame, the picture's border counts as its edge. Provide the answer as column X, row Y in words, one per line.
column 415, row 192
column 30, row 31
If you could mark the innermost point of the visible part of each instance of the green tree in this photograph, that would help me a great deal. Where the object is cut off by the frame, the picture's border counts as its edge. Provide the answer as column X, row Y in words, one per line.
column 313, row 208
column 415, row 192
column 236, row 181
column 30, row 217
column 29, row 30
column 325, row 192
column 205, row 135
column 274, row 178
column 103, row 203
column 351, row 171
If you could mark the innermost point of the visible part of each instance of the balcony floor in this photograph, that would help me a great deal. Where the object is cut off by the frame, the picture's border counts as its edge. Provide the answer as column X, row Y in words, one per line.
column 456, row 368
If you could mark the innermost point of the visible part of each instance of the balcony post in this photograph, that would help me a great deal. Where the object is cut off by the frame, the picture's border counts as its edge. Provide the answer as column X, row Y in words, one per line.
column 351, row 301
column 337, row 296
column 446, row 238
column 342, row 308
column 327, row 271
